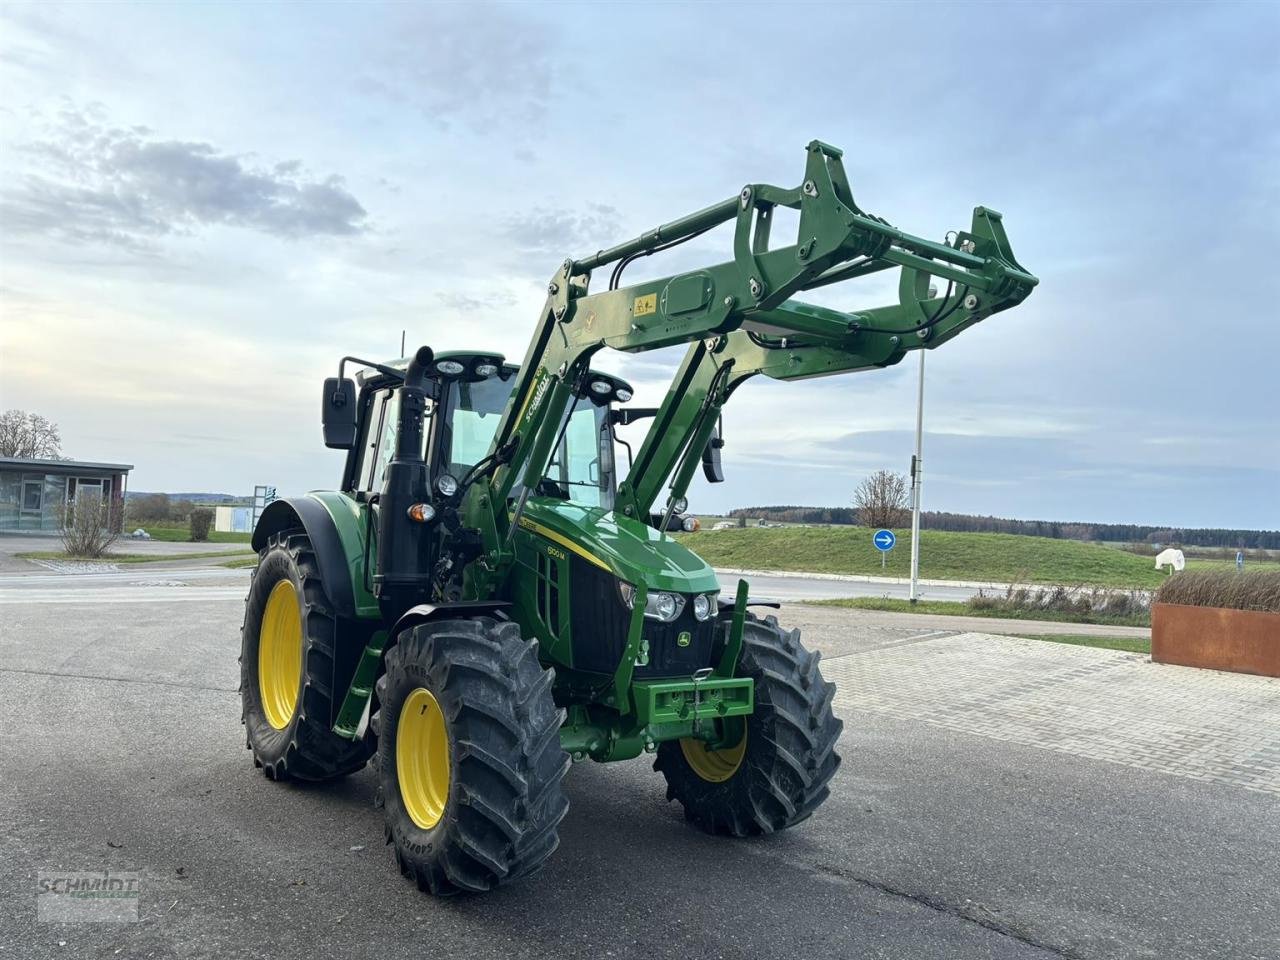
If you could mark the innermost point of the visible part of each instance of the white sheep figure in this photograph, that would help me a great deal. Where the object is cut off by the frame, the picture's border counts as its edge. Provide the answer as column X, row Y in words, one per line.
column 1170, row 558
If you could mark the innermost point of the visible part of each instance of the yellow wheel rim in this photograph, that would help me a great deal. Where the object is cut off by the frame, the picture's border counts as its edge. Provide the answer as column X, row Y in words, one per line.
column 422, row 758
column 714, row 766
column 280, row 655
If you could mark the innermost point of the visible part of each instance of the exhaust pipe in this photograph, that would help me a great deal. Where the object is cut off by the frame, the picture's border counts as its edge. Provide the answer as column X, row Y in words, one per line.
column 403, row 557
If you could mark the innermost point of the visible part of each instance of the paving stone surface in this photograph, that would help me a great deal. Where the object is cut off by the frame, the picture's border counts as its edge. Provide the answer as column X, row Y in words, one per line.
column 1102, row 704
column 78, row 566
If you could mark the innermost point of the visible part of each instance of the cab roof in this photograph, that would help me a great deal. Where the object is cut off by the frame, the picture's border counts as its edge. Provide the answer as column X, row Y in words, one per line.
column 470, row 359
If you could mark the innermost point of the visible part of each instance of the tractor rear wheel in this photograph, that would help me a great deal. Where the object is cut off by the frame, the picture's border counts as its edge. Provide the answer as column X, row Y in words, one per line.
column 286, row 668
column 773, row 770
column 469, row 758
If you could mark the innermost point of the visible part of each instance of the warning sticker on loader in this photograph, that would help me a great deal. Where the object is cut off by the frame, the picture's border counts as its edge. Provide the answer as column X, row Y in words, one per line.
column 645, row 305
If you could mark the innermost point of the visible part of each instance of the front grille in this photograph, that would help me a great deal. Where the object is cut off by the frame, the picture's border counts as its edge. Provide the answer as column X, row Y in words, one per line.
column 597, row 617
column 599, row 620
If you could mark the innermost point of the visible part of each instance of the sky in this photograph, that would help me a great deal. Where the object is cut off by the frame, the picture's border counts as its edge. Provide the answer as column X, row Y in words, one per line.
column 204, row 206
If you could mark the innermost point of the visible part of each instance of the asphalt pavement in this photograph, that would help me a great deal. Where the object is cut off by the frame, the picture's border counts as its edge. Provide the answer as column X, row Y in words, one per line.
column 24, row 576
column 121, row 747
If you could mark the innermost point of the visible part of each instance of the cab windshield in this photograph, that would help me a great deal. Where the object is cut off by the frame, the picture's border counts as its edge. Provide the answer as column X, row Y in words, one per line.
column 474, row 412
column 581, row 469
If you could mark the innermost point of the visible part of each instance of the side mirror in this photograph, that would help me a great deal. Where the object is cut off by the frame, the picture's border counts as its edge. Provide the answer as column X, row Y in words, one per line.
column 711, row 468
column 627, row 415
column 338, row 413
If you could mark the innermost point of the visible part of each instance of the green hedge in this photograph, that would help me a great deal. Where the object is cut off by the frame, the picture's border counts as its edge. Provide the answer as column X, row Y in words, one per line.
column 1250, row 590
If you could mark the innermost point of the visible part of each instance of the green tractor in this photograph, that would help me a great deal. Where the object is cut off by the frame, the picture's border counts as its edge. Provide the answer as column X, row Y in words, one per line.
column 489, row 597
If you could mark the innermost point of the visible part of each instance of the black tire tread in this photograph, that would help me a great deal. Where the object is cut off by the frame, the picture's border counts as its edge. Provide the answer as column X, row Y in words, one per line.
column 792, row 735
column 506, row 798
column 313, row 752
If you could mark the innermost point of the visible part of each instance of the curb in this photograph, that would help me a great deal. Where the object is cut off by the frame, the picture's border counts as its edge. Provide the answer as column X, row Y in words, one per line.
column 855, row 578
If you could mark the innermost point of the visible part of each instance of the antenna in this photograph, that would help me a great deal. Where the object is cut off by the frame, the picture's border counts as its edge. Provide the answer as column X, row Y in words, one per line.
column 402, row 343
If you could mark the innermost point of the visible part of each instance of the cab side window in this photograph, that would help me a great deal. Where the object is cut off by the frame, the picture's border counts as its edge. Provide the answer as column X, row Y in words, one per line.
column 369, row 437
column 385, row 447
column 378, row 443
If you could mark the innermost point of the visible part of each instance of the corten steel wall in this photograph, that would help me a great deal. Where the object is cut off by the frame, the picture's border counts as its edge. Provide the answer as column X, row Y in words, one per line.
column 1242, row 641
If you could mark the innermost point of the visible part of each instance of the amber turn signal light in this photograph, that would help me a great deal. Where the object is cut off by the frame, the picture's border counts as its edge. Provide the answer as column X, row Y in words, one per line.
column 421, row 512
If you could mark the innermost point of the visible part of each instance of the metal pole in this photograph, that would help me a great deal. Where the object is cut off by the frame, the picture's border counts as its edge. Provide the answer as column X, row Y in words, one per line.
column 917, row 481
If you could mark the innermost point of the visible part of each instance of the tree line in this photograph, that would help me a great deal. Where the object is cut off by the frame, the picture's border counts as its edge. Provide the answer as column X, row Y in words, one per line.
column 1057, row 530
column 159, row 508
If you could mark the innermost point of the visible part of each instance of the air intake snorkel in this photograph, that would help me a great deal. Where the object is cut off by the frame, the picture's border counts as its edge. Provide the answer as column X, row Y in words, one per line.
column 402, row 553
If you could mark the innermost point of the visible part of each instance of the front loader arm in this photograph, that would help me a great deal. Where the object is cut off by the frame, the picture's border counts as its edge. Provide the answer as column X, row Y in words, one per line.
column 740, row 319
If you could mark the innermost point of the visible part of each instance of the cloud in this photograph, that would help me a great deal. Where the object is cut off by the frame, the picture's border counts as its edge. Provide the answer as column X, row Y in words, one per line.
column 475, row 303
column 469, row 63
column 101, row 184
column 563, row 233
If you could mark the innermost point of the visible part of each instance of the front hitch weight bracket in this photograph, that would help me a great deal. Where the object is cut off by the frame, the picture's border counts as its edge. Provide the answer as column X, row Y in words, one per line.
column 733, row 646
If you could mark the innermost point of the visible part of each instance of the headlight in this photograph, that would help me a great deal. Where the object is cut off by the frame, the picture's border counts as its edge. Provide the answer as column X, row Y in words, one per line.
column 601, row 387
column 690, row 524
column 486, row 369
column 447, row 484
column 681, row 505
column 663, row 606
column 623, row 394
column 450, row 368
column 659, row 605
column 703, row 604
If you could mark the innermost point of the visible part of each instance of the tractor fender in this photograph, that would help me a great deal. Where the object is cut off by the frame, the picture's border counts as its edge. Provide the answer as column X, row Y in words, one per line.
column 335, row 577
column 425, row 612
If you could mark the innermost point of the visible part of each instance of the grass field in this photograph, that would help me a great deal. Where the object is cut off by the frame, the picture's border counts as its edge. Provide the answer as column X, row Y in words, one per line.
column 1127, row 644
column 1206, row 563
column 959, row 608
column 181, row 533
column 999, row 557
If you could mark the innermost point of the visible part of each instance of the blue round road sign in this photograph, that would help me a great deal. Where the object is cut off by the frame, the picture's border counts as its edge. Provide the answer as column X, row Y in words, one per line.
column 884, row 540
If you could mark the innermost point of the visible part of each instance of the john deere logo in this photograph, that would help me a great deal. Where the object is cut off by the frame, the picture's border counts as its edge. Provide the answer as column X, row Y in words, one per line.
column 684, row 639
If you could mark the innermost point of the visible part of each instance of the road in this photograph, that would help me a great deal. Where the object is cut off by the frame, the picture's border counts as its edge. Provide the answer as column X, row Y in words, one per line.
column 816, row 588
column 162, row 583
column 999, row 799
column 24, row 576
column 23, row 583
column 786, row 588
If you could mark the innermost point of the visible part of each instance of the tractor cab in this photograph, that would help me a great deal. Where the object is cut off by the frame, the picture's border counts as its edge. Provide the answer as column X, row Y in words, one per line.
column 466, row 396
column 463, row 396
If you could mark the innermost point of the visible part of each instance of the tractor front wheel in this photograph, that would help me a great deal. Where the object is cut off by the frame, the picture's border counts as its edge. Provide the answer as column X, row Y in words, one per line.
column 773, row 770
column 469, row 758
column 286, row 668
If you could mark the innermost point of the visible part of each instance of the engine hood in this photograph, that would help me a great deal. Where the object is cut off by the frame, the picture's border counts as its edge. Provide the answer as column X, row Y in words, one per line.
column 631, row 550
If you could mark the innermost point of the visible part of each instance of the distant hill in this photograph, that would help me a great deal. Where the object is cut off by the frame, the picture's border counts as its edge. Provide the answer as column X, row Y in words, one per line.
column 944, row 555
column 1053, row 529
